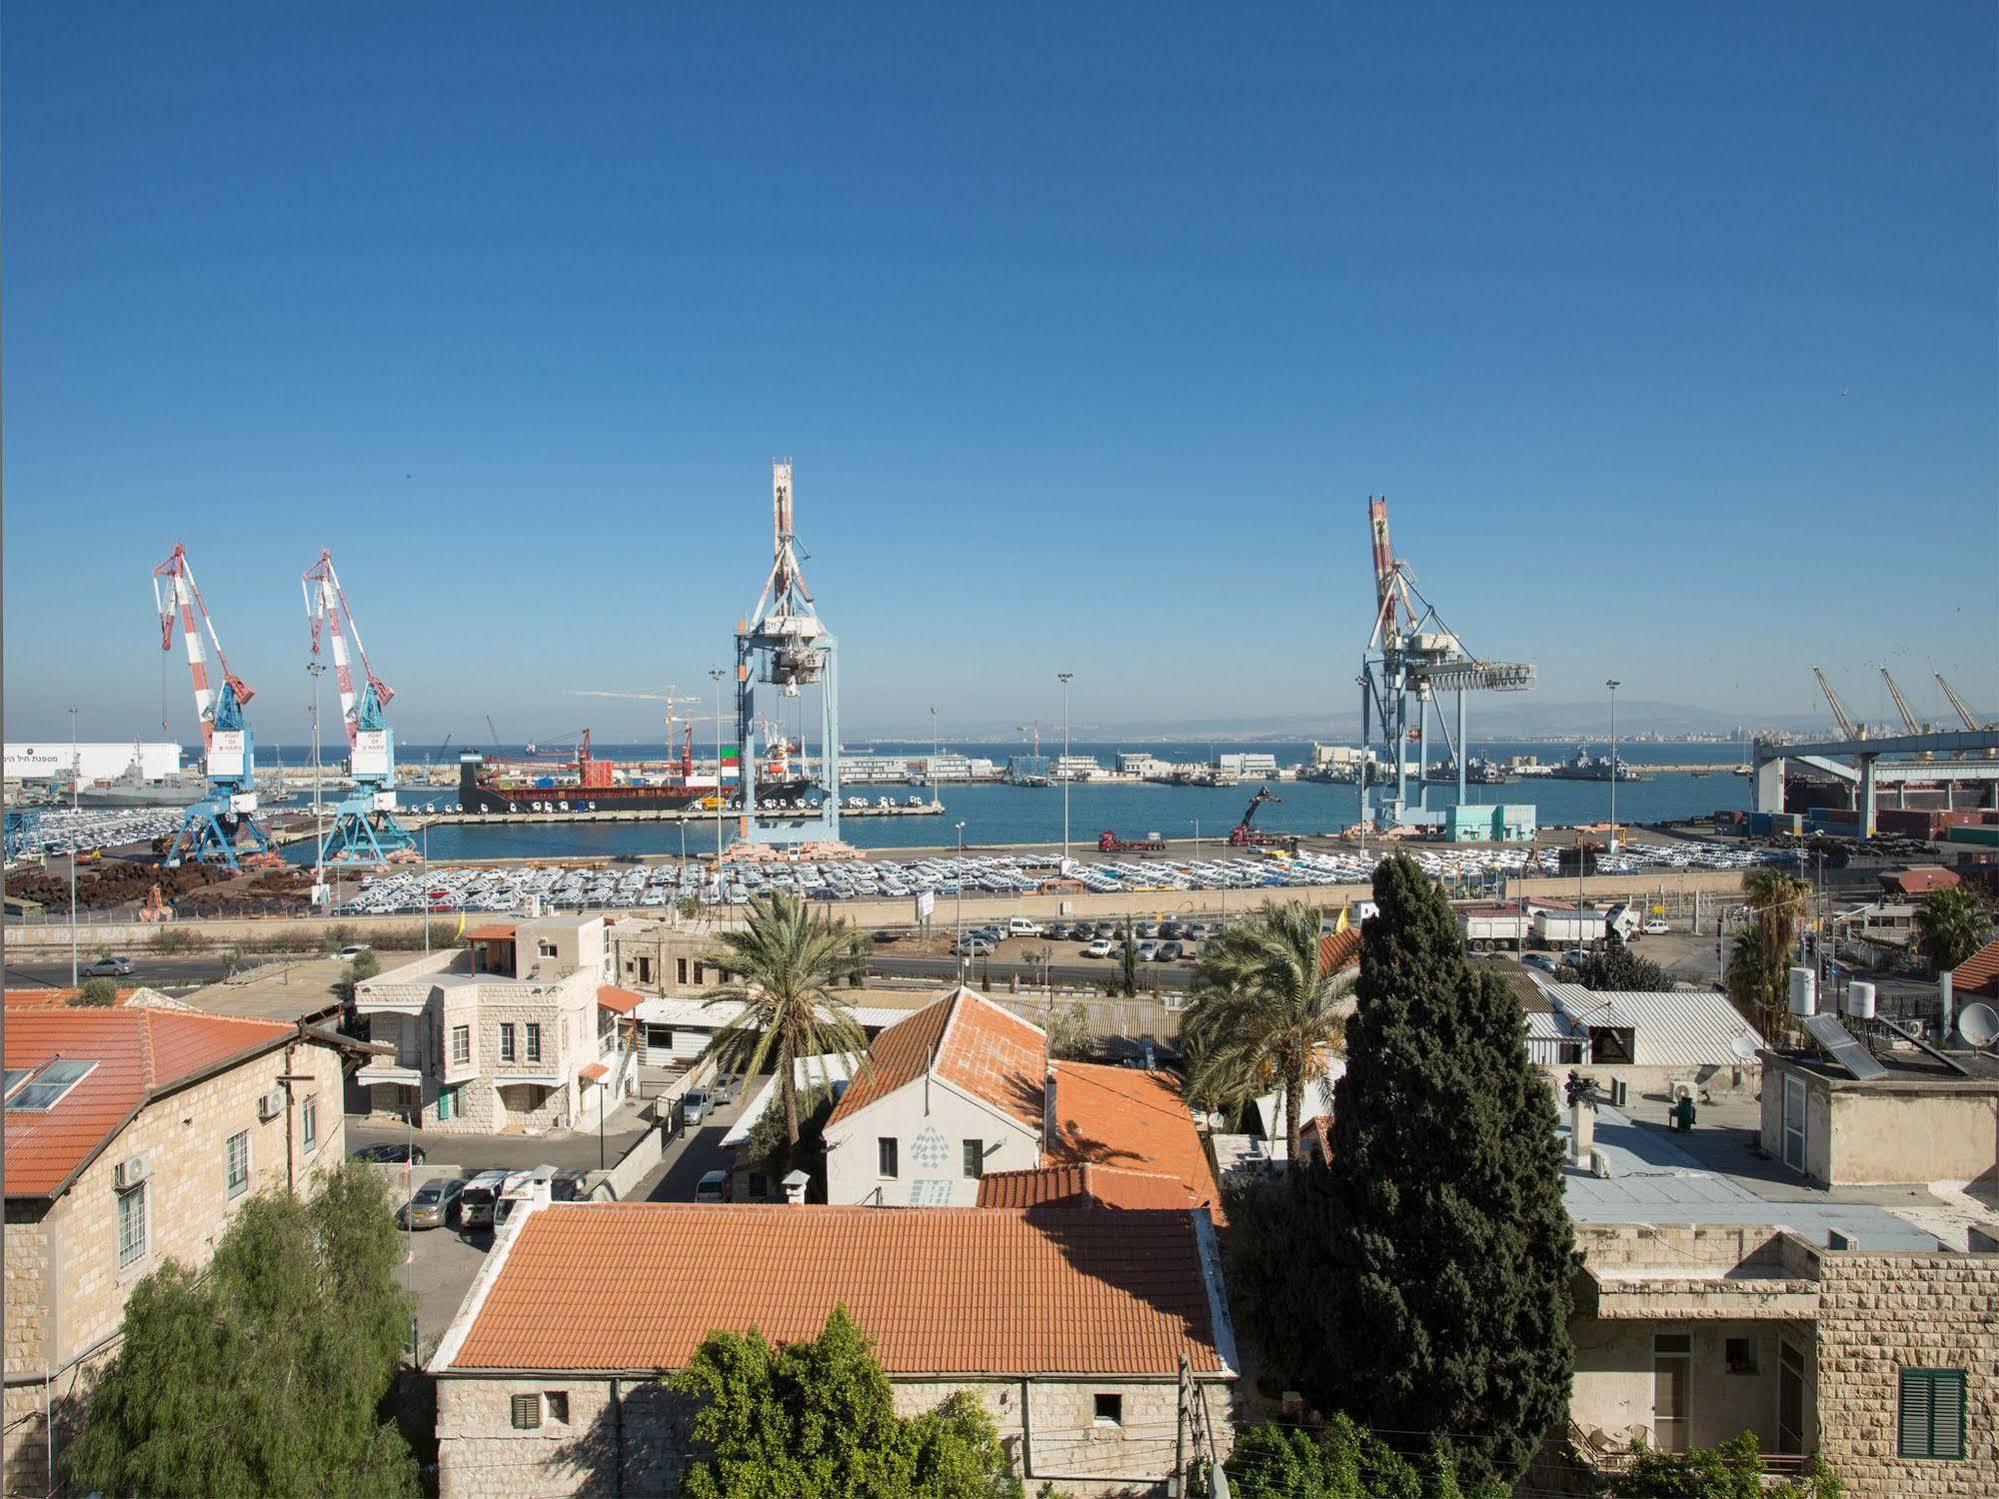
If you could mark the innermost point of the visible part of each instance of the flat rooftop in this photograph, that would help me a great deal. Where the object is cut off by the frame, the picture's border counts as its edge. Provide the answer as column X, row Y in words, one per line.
column 289, row 990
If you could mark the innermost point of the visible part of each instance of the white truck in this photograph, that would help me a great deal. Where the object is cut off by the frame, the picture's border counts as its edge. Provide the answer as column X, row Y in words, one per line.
column 1563, row 927
column 1494, row 928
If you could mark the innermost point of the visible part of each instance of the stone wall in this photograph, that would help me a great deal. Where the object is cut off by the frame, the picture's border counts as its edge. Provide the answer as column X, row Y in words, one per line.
column 1880, row 1314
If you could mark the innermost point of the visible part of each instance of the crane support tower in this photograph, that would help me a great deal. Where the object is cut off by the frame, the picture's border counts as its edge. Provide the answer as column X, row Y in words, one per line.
column 365, row 830
column 1412, row 656
column 783, row 645
column 215, row 829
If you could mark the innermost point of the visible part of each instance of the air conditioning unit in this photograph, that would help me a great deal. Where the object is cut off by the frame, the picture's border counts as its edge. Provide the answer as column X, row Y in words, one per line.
column 271, row 1104
column 129, row 1173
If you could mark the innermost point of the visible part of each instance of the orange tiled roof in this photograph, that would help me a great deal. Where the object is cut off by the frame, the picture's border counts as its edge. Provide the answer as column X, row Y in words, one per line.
column 1339, row 950
column 1920, row 879
column 52, row 999
column 493, row 931
column 1122, row 1116
column 1079, row 1185
column 139, row 1053
column 631, row 1286
column 594, row 1071
column 1977, row 974
column 973, row 1044
column 622, row 1001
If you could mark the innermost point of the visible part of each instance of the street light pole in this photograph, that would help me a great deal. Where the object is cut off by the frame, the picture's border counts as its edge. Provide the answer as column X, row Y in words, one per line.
column 316, row 671
column 716, row 673
column 959, row 879
column 75, row 769
column 1065, row 676
column 1613, row 685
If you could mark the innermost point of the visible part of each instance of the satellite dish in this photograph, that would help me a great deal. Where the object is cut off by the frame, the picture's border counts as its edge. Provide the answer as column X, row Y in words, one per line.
column 1745, row 1046
column 1978, row 1024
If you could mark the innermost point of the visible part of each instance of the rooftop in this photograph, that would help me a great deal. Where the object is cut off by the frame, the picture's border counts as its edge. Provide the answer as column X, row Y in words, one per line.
column 300, row 989
column 1977, row 977
column 132, row 1055
column 1126, row 1116
column 966, row 1040
column 637, row 1286
column 1670, row 1027
column 1088, row 1183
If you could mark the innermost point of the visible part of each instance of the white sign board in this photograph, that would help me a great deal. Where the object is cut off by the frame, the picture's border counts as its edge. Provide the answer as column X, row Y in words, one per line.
column 225, row 753
column 371, row 753
column 926, row 902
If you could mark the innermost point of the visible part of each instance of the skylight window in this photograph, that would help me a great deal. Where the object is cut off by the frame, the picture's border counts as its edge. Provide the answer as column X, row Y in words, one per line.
column 49, row 1086
column 15, row 1077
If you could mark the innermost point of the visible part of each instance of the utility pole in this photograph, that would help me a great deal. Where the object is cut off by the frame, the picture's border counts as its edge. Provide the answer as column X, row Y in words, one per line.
column 958, row 878
column 75, row 771
column 716, row 673
column 1178, row 1486
column 1613, row 685
column 1065, row 676
column 316, row 670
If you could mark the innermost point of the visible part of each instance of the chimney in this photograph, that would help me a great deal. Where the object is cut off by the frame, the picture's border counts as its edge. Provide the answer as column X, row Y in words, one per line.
column 794, row 1184
column 1582, row 1128
column 1050, row 1128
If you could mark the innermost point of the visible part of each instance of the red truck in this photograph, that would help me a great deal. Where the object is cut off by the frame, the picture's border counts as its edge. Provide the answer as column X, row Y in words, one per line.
column 1110, row 843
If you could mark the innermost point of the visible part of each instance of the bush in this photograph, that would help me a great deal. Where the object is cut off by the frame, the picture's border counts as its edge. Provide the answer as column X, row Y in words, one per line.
column 1732, row 1470
column 1339, row 1462
column 1069, row 1035
column 173, row 939
column 97, row 993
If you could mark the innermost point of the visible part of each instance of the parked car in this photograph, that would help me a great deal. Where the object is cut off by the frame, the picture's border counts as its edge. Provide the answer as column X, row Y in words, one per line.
column 1575, row 957
column 1656, row 928
column 1541, row 961
column 435, row 1204
column 1020, row 926
column 352, row 951
column 1169, row 952
column 694, row 1106
column 1172, row 929
column 972, row 946
column 477, row 1202
column 713, row 1187
column 1148, row 952
column 390, row 1155
column 1148, row 929
column 108, row 968
column 1103, row 947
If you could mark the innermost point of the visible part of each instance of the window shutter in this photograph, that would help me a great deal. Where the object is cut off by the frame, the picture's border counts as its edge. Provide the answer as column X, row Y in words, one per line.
column 1947, row 1414
column 1915, row 1416
column 527, row 1412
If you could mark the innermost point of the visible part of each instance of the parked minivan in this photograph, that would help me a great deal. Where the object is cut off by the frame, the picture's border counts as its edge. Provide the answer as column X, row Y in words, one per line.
column 476, row 1202
column 1020, row 926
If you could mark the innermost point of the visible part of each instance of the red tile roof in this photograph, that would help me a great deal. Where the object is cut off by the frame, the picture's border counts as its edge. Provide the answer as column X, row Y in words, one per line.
column 1977, row 975
column 1339, row 950
column 636, row 1286
column 52, row 999
column 591, row 1073
column 972, row 1043
column 140, row 1053
column 622, row 1001
column 1123, row 1116
column 493, row 931
column 1074, row 1186
column 1920, row 879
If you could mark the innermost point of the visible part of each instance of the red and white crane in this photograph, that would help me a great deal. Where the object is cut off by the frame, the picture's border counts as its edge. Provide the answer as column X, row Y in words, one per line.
column 178, row 596
column 327, row 610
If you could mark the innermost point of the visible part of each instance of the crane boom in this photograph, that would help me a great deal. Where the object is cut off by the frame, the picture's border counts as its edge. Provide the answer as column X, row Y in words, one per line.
column 1901, row 704
column 327, row 611
column 1846, row 725
column 1971, row 725
column 181, row 597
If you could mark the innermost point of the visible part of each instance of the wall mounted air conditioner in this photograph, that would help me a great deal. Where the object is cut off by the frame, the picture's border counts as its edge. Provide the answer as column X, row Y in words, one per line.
column 271, row 1104
column 129, row 1173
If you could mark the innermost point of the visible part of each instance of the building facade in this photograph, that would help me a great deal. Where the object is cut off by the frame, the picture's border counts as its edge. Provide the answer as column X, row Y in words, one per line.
column 504, row 1036
column 132, row 1137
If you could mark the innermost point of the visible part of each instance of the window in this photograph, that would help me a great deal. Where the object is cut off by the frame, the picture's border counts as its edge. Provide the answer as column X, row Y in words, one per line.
column 461, row 1046
column 49, row 1085
column 697, row 974
column 544, row 949
column 975, row 1159
column 1110, row 1409
column 131, row 1225
column 759, row 1186
column 506, row 1043
column 526, row 1412
column 534, row 1041
column 885, row 1161
column 15, row 1077
column 1794, row 1122
column 557, row 1402
column 680, row 969
column 1739, row 1354
column 645, row 970
column 309, row 1121
column 1931, row 1421
column 238, row 1155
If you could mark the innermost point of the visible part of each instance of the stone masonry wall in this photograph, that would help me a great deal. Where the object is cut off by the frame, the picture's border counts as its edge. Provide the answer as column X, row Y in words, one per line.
column 1881, row 1313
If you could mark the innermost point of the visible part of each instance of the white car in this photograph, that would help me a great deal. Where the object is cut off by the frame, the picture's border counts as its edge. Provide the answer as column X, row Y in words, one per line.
column 352, row 951
column 1101, row 948
column 1656, row 928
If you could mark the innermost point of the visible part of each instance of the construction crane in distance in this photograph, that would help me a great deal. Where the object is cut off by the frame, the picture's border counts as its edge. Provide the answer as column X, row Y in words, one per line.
column 1971, row 725
column 1848, row 729
column 668, row 697
column 364, row 830
column 212, row 829
column 1909, row 721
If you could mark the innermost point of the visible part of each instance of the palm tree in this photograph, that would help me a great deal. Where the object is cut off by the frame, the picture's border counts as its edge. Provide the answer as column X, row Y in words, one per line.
column 1951, row 925
column 1263, row 1015
column 783, row 966
column 1758, row 970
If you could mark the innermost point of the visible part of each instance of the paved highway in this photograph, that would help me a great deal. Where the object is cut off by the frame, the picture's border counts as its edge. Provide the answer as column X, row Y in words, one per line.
column 148, row 971
column 1094, row 972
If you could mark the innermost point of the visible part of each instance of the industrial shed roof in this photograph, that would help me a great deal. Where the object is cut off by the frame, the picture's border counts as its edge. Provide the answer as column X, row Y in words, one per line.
column 1670, row 1028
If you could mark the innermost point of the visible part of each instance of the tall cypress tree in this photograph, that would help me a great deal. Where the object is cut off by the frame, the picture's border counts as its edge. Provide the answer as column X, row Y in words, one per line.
column 1447, row 1248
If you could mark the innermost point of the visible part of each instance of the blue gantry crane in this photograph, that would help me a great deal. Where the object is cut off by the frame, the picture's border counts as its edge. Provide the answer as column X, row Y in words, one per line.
column 215, row 829
column 365, row 830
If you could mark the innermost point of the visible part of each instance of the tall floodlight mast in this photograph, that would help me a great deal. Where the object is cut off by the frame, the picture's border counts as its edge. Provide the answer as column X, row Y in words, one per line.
column 211, row 830
column 1412, row 655
column 364, row 830
column 783, row 645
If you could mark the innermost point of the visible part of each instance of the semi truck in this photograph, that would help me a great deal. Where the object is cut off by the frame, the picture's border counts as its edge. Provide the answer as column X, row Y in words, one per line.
column 1109, row 843
column 1500, row 928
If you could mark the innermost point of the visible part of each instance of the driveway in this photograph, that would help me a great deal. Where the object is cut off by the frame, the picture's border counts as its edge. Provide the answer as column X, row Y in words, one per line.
column 506, row 1152
column 693, row 1154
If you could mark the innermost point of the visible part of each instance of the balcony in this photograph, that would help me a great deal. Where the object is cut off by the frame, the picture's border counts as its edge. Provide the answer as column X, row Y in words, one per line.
column 390, row 1074
column 1607, row 1458
column 393, row 998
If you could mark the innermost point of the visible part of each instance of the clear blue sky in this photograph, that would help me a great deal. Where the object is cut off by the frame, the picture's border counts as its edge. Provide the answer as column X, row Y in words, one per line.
column 1668, row 330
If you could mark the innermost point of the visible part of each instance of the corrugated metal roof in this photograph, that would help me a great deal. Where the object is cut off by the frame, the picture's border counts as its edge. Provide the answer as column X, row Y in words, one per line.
column 1670, row 1028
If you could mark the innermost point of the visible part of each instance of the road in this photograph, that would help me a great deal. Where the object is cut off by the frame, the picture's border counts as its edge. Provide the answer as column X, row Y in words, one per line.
column 150, row 972
column 1093, row 973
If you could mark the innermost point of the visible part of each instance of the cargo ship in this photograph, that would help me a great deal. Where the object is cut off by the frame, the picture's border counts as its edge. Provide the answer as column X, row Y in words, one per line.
column 588, row 784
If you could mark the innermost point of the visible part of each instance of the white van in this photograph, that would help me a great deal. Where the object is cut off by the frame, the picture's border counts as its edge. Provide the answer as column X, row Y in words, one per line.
column 1020, row 926
column 476, row 1202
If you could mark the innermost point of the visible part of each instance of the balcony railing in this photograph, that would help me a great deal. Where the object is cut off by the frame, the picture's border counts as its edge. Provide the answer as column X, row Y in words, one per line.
column 1607, row 1459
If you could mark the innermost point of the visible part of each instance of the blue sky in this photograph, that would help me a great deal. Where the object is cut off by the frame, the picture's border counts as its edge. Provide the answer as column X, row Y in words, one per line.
column 1669, row 332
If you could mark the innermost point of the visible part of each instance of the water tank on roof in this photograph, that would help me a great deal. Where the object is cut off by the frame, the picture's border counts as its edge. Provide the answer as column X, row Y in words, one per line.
column 1804, row 992
column 1860, row 1000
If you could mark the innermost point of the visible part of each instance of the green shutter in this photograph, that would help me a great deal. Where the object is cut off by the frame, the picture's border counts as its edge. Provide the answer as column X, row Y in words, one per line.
column 1931, row 1415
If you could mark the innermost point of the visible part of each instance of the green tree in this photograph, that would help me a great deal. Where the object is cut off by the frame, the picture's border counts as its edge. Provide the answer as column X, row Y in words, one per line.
column 363, row 966
column 1613, row 967
column 1438, row 1250
column 1070, row 1038
column 1758, row 970
column 97, row 993
column 787, row 962
column 1951, row 925
column 768, row 1147
column 1732, row 1470
column 1340, row 1462
column 1264, row 1016
column 1128, row 963
column 266, row 1375
column 816, row 1420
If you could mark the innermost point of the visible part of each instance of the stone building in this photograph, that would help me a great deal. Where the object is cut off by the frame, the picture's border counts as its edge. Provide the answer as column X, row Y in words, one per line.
column 1883, row 1361
column 132, row 1134
column 518, row 1032
column 1068, row 1322
column 1918, row 1115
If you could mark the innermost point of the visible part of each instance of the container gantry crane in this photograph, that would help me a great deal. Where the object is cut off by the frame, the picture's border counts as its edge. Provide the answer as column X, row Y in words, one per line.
column 1412, row 654
column 213, row 830
column 365, row 830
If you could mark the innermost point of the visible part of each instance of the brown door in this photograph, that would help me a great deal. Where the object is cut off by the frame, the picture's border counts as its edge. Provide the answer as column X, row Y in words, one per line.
column 1672, row 1378
column 1790, row 1399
